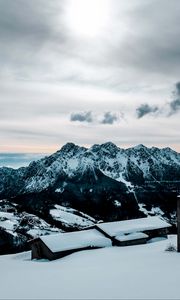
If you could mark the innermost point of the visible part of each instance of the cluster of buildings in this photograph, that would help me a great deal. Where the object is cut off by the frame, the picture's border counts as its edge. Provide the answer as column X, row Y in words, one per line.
column 120, row 233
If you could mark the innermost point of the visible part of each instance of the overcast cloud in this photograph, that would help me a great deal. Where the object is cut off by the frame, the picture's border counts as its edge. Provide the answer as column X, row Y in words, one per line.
column 145, row 109
column 52, row 75
column 109, row 118
column 82, row 117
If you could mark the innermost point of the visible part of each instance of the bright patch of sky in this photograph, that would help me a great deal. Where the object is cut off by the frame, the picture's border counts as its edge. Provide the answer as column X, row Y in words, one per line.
column 113, row 64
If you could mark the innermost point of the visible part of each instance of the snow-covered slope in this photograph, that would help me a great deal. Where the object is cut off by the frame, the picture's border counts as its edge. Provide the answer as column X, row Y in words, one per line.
column 12, row 220
column 18, row 226
column 15, row 222
column 131, row 165
column 135, row 272
column 71, row 217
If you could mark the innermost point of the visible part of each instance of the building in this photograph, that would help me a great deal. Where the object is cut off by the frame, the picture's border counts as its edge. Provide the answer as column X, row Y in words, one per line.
column 120, row 233
column 130, row 239
column 58, row 245
column 136, row 231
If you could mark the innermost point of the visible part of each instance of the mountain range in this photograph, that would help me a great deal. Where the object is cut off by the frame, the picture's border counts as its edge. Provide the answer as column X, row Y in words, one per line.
column 77, row 186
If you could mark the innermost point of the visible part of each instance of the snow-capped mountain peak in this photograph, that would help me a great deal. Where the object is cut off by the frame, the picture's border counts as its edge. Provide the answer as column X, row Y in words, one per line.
column 132, row 165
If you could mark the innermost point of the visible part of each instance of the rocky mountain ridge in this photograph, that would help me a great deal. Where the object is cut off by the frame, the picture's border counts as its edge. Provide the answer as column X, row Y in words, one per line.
column 132, row 166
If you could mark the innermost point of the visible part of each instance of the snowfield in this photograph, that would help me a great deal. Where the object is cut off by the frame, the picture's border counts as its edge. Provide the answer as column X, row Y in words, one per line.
column 70, row 217
column 134, row 272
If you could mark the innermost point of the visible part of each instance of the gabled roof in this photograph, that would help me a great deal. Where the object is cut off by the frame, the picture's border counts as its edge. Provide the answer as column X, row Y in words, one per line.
column 129, row 226
column 75, row 240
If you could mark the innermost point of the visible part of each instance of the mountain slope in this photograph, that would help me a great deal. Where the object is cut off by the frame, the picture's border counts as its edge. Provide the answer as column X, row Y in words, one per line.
column 104, row 181
column 131, row 166
column 17, row 225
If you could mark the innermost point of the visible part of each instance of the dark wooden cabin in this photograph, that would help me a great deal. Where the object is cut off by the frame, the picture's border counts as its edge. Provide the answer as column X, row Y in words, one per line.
column 59, row 245
column 120, row 233
column 135, row 231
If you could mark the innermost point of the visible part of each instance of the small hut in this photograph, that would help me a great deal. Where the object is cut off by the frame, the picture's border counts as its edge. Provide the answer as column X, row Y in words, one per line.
column 130, row 239
column 135, row 231
column 58, row 245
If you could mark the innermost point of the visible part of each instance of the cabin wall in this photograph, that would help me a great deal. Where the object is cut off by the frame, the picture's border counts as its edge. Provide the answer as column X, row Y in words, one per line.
column 68, row 252
column 40, row 250
column 162, row 232
column 36, row 250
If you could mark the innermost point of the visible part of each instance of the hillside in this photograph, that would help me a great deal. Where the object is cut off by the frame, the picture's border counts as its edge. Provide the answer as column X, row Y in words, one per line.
column 135, row 272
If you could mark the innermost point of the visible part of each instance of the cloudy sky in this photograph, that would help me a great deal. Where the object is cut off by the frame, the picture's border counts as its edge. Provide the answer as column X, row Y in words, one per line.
column 89, row 71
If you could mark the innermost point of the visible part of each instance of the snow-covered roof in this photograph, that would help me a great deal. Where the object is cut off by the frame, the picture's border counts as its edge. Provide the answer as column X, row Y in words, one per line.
column 75, row 240
column 135, row 225
column 131, row 236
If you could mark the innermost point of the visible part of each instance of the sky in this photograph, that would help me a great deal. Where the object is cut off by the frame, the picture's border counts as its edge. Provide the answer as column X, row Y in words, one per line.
column 89, row 71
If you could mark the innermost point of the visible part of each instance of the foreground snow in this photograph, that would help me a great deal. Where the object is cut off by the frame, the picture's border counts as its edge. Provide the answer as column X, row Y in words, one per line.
column 135, row 272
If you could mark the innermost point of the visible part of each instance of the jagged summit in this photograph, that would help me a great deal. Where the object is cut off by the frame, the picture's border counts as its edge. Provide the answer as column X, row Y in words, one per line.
column 109, row 145
column 105, row 147
column 70, row 147
column 139, row 147
column 168, row 149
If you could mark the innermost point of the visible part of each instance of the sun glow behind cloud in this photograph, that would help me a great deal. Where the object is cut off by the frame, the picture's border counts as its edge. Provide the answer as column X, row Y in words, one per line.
column 97, row 56
column 87, row 18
